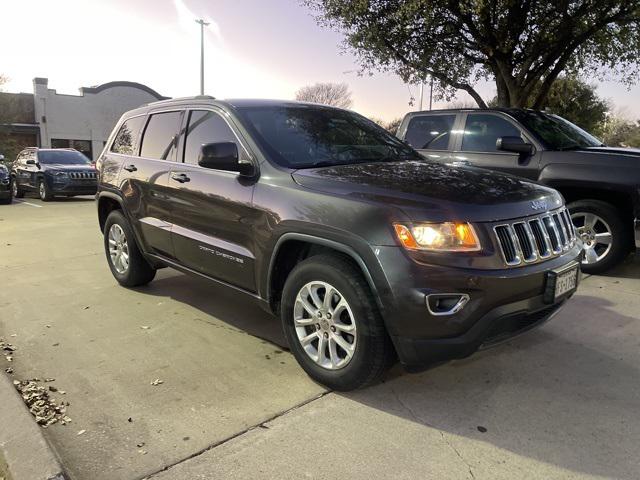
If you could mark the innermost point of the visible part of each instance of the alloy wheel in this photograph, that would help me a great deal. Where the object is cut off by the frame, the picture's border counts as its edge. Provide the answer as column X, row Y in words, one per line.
column 14, row 188
column 595, row 234
column 325, row 325
column 118, row 249
column 42, row 191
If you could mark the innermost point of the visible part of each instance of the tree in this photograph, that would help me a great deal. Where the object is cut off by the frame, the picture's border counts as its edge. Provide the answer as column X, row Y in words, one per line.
column 620, row 132
column 391, row 127
column 577, row 101
column 523, row 45
column 334, row 94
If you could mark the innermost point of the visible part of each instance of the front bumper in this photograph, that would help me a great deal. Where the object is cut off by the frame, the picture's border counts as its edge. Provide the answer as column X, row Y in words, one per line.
column 502, row 303
column 501, row 324
column 73, row 187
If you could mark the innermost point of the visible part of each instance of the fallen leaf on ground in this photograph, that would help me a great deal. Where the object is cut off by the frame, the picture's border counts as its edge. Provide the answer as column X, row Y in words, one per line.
column 44, row 408
column 157, row 381
column 81, row 432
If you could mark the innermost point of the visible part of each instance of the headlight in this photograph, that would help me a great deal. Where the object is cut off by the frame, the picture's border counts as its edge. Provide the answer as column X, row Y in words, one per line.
column 443, row 237
column 61, row 174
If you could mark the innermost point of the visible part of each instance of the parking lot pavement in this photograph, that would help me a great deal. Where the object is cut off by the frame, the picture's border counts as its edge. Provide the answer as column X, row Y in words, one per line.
column 559, row 402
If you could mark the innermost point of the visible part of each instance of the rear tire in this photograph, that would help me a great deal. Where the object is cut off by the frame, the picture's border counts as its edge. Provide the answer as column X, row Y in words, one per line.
column 607, row 240
column 126, row 262
column 371, row 349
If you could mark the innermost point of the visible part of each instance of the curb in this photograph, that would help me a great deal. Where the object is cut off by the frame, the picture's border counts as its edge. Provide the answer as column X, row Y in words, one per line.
column 24, row 452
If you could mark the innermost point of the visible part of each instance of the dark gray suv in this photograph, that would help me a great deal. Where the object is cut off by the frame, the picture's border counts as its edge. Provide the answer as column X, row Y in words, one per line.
column 366, row 251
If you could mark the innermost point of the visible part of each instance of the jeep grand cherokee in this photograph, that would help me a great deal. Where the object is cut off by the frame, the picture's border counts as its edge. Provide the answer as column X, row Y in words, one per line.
column 365, row 250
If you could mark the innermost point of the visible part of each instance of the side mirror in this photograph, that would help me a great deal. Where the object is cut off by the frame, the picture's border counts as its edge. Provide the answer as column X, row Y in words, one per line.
column 514, row 144
column 31, row 162
column 224, row 156
column 1, row 157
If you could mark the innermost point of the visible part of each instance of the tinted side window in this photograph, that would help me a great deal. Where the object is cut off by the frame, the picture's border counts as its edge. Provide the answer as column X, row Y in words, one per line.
column 430, row 132
column 481, row 132
column 205, row 127
column 160, row 137
column 127, row 137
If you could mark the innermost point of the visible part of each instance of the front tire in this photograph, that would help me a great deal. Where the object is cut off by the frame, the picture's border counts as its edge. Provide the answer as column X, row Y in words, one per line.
column 333, row 325
column 126, row 262
column 605, row 236
column 44, row 192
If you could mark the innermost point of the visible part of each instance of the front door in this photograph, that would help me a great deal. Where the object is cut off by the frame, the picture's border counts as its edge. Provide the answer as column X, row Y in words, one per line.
column 477, row 145
column 27, row 173
column 212, row 209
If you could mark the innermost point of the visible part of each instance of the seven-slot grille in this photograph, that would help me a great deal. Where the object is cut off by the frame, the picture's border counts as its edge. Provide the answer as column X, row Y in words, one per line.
column 533, row 239
column 82, row 175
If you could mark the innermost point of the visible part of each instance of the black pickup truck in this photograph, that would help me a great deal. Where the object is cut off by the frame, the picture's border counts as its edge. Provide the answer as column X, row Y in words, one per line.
column 364, row 249
column 600, row 184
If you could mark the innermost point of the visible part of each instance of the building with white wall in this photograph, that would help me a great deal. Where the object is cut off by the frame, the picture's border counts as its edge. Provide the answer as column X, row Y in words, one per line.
column 83, row 121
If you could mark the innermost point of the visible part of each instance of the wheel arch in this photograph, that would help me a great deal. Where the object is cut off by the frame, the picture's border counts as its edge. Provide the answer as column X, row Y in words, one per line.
column 622, row 201
column 292, row 248
column 107, row 203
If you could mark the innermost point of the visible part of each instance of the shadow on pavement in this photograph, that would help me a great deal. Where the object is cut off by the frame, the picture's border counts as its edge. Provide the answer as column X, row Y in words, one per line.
column 231, row 307
column 564, row 394
column 552, row 395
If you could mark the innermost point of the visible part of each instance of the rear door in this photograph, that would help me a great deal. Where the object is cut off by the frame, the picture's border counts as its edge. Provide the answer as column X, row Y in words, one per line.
column 144, row 176
column 431, row 134
column 212, row 209
column 476, row 145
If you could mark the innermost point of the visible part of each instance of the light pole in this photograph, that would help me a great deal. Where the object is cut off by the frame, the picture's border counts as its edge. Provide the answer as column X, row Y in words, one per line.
column 202, row 25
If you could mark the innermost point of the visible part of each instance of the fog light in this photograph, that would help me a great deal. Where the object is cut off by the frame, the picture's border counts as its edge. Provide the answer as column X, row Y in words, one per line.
column 446, row 303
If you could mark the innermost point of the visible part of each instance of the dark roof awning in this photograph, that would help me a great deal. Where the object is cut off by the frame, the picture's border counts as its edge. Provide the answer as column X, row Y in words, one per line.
column 19, row 128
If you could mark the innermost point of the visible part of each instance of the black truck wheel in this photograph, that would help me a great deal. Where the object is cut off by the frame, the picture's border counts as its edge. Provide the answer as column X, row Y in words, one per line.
column 332, row 324
column 605, row 236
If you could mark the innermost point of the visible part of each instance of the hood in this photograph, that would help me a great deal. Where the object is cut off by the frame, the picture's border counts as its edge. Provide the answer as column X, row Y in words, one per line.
column 67, row 168
column 429, row 191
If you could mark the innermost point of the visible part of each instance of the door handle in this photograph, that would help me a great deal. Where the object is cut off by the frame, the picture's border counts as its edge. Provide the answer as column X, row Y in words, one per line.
column 180, row 177
column 130, row 168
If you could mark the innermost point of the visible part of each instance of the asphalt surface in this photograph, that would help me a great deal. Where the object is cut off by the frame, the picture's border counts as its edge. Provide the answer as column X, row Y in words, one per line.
column 559, row 402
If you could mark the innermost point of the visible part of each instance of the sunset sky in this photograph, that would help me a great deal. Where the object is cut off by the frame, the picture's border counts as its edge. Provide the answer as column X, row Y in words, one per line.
column 254, row 49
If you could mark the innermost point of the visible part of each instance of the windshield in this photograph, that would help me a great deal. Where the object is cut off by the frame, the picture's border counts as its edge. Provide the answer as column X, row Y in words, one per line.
column 304, row 136
column 62, row 157
column 556, row 132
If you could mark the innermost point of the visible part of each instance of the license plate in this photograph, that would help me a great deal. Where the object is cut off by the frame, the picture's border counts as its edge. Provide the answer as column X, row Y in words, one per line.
column 561, row 283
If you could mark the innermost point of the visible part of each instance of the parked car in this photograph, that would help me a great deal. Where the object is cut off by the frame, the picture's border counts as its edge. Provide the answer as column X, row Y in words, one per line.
column 53, row 172
column 600, row 184
column 364, row 249
column 5, row 184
